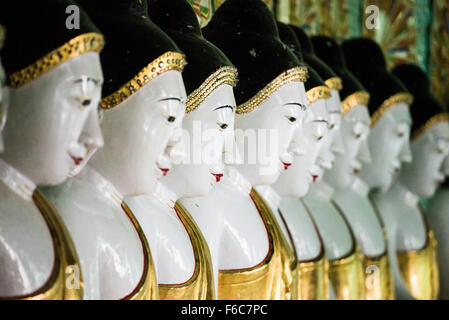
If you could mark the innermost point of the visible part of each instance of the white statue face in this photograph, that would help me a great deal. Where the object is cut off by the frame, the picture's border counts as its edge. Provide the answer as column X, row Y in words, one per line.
column 333, row 142
column 263, row 136
column 207, row 126
column 3, row 103
column 47, row 117
column 389, row 147
column 354, row 129
column 423, row 175
column 137, row 133
column 306, row 144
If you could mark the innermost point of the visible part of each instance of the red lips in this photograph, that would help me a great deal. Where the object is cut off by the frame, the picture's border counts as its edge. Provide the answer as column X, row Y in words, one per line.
column 356, row 171
column 286, row 165
column 315, row 177
column 77, row 160
column 217, row 176
column 164, row 171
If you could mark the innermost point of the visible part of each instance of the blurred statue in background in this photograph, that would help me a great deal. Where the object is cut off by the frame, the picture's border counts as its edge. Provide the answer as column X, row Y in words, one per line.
column 412, row 242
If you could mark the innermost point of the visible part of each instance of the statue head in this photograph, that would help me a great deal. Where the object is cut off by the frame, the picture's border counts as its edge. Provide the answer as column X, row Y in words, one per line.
column 143, row 99
column 309, row 136
column 355, row 123
column 55, row 86
column 389, row 108
column 209, row 78
column 270, row 95
column 430, row 135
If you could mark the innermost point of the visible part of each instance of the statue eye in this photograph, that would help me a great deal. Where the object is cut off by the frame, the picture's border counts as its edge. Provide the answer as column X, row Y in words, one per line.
column 358, row 135
column 400, row 134
column 318, row 138
column 171, row 119
column 223, row 126
column 84, row 101
column 331, row 126
column 291, row 119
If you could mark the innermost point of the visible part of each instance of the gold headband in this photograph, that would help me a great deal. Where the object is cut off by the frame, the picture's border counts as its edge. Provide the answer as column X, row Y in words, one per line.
column 360, row 98
column 225, row 75
column 166, row 62
column 334, row 83
column 441, row 117
column 74, row 48
column 404, row 97
column 295, row 74
column 2, row 36
column 317, row 93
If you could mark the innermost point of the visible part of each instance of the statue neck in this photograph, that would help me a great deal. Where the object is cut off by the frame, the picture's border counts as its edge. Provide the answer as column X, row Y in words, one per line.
column 165, row 195
column 399, row 191
column 322, row 190
column 238, row 180
column 269, row 195
column 16, row 181
column 106, row 188
column 360, row 187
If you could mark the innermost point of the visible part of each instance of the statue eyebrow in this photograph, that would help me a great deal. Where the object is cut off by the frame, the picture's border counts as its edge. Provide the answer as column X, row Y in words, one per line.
column 295, row 104
column 171, row 98
column 223, row 107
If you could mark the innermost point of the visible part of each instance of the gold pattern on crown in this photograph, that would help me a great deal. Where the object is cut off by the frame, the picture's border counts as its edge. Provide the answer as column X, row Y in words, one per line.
column 166, row 62
column 2, row 35
column 317, row 93
column 334, row 83
column 403, row 97
column 294, row 74
column 359, row 98
column 225, row 75
column 441, row 117
column 74, row 48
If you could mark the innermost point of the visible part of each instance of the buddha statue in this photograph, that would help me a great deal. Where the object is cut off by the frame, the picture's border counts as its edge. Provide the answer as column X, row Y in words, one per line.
column 351, row 193
column 437, row 214
column 414, row 246
column 388, row 116
column 142, row 106
column 390, row 127
column 54, row 88
column 255, row 257
column 294, row 183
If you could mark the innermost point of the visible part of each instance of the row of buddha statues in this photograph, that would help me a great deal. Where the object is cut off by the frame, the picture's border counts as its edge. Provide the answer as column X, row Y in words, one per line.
column 98, row 201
